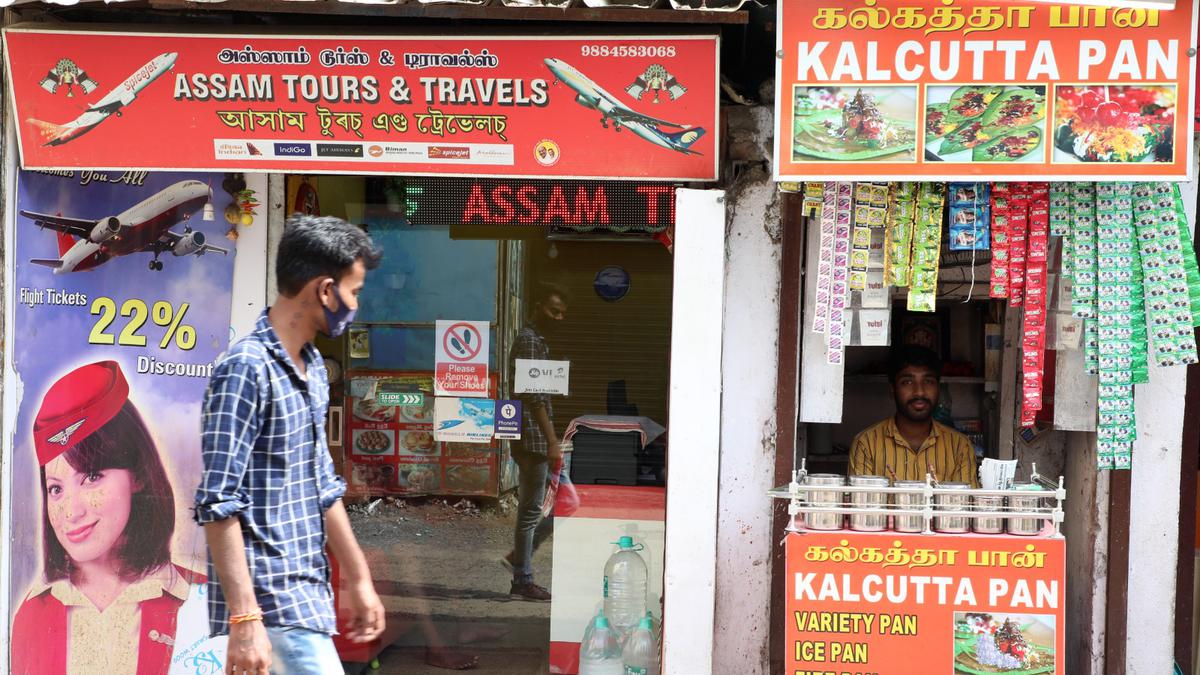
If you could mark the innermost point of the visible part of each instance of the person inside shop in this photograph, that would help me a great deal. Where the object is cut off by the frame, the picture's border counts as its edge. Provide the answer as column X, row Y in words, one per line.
column 540, row 445
column 911, row 444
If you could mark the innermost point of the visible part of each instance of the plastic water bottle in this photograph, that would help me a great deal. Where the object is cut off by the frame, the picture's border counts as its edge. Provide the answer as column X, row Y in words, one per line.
column 591, row 624
column 625, row 587
column 641, row 650
column 599, row 653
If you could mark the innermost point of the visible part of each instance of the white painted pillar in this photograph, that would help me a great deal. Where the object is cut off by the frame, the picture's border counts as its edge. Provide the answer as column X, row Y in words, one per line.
column 251, row 275
column 695, row 410
column 1154, row 511
column 749, row 367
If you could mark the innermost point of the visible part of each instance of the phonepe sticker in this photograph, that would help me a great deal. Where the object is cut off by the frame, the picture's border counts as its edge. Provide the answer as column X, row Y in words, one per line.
column 508, row 420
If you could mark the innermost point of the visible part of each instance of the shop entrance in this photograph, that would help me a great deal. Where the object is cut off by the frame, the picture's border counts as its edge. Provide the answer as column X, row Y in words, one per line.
column 434, row 496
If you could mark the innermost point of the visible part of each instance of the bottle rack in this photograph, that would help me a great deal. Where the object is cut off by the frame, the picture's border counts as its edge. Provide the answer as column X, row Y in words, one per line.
column 797, row 494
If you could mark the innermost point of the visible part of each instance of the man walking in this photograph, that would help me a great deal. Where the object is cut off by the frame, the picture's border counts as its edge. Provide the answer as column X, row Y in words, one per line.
column 539, row 447
column 269, row 499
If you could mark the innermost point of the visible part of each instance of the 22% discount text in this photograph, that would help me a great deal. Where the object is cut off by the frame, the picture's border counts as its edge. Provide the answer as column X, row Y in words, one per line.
column 137, row 314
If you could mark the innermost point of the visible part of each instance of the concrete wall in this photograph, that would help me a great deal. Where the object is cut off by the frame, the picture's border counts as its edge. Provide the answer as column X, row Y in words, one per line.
column 1154, row 510
column 749, row 364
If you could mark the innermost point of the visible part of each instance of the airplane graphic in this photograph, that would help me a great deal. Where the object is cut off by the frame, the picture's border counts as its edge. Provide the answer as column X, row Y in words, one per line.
column 85, row 244
column 591, row 95
column 113, row 102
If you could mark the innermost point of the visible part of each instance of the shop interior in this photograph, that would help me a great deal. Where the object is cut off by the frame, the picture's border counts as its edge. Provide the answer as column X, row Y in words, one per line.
column 966, row 333
column 436, row 518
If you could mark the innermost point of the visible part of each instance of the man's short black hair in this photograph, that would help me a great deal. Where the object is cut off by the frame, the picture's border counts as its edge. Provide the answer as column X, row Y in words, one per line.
column 905, row 356
column 320, row 246
column 543, row 291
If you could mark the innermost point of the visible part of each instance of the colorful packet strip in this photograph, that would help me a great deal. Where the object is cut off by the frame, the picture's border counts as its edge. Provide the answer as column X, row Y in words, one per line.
column 999, row 284
column 1018, row 235
column 835, row 333
column 814, row 198
column 1036, row 291
column 1189, row 255
column 1060, row 209
column 824, row 294
column 970, row 216
column 926, row 249
column 898, row 236
column 1083, row 250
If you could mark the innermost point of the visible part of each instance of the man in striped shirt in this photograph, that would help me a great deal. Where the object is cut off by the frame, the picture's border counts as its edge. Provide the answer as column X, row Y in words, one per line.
column 910, row 444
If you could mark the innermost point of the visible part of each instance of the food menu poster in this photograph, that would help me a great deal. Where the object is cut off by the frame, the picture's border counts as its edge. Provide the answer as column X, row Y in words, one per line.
column 879, row 603
column 942, row 89
column 545, row 106
column 392, row 450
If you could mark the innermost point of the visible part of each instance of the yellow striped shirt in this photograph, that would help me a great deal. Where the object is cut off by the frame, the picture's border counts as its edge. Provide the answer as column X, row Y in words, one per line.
column 882, row 451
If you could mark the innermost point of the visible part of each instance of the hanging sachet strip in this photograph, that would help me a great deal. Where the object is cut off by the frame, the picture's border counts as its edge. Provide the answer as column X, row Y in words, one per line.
column 824, row 291
column 927, row 247
column 902, row 211
column 1033, row 338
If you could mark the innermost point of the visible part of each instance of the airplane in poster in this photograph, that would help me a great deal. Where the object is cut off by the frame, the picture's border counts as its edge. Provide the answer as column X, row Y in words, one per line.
column 591, row 95
column 85, row 244
column 112, row 103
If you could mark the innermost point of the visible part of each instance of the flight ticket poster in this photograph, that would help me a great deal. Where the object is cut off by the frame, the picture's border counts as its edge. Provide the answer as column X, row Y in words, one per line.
column 122, row 303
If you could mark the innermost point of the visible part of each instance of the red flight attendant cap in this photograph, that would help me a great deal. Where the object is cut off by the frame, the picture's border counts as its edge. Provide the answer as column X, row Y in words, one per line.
column 81, row 402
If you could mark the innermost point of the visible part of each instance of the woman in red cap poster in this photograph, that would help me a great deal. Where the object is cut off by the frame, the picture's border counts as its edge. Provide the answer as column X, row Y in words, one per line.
column 109, row 595
column 105, row 449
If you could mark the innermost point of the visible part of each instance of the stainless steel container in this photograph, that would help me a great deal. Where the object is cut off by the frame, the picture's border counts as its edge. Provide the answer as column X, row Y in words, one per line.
column 827, row 498
column 1026, row 526
column 876, row 501
column 909, row 500
column 952, row 502
column 989, row 524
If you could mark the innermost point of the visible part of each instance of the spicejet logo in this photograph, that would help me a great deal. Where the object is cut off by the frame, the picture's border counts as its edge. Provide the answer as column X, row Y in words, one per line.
column 449, row 152
column 293, row 150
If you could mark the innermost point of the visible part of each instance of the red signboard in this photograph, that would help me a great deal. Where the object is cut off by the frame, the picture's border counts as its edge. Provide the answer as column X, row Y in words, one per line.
column 899, row 604
column 946, row 89
column 640, row 107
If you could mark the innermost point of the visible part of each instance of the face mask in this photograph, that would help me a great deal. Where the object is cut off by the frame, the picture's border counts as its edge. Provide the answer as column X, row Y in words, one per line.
column 337, row 321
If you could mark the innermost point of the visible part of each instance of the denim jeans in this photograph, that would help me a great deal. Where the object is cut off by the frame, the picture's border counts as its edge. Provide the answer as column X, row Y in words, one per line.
column 531, row 528
column 299, row 651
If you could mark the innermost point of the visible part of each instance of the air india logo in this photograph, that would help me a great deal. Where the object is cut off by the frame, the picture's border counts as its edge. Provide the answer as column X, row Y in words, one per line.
column 546, row 152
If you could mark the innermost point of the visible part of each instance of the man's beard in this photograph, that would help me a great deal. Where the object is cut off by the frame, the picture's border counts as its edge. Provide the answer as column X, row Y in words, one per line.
column 915, row 416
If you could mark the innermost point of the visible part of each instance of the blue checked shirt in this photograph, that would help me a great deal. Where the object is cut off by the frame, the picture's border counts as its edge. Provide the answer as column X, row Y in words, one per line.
column 531, row 345
column 267, row 463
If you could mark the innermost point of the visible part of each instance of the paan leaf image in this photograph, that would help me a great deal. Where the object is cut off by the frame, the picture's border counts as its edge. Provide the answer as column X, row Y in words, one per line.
column 972, row 101
column 1013, row 145
column 1016, row 108
column 856, row 132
